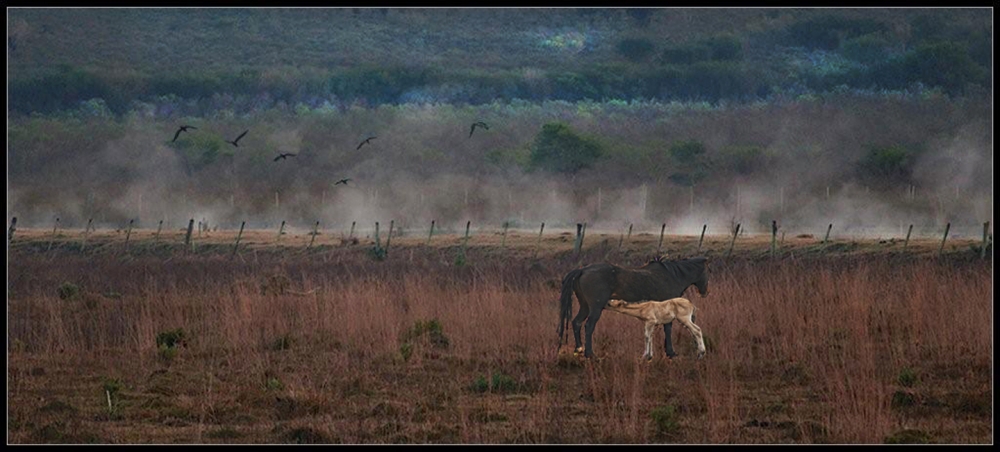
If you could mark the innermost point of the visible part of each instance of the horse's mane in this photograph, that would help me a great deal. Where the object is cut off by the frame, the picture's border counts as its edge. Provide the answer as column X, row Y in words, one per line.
column 691, row 267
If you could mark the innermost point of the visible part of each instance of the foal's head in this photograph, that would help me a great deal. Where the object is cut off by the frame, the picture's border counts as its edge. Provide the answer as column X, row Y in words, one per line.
column 616, row 303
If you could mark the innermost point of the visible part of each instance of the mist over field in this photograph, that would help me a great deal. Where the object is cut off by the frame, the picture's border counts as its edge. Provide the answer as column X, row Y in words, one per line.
column 868, row 119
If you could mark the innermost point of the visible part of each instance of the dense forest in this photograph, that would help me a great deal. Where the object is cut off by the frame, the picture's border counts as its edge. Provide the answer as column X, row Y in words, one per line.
column 872, row 117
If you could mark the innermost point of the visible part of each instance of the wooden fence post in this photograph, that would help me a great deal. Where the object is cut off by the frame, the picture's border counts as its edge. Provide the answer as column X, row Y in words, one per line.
column 733, row 242
column 388, row 238
column 986, row 230
column 827, row 236
column 187, row 237
column 351, row 234
column 660, row 245
column 539, row 241
column 431, row 234
column 774, row 235
column 86, row 230
column 54, row 227
column 946, row 228
column 579, row 236
column 128, row 233
column 314, row 234
column 703, row 228
column 13, row 227
column 156, row 238
column 281, row 230
column 583, row 234
column 238, row 236
column 378, row 242
column 907, row 241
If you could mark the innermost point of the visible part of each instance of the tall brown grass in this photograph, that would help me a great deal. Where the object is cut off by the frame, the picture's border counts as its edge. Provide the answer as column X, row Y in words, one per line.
column 799, row 351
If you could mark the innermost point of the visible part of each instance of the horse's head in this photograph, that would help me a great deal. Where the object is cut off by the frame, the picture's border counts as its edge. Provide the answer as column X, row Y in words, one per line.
column 701, row 283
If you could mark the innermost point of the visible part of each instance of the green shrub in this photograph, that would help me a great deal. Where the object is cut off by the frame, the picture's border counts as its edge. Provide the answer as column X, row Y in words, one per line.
column 503, row 383
column 902, row 399
column 274, row 384
column 68, row 291
column 636, row 49
column 908, row 378
column 909, row 436
column 171, row 339
column 406, row 350
column 167, row 353
column 557, row 148
column 480, row 384
column 665, row 420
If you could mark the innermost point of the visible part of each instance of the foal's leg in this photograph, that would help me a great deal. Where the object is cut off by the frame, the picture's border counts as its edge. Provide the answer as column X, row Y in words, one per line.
column 650, row 329
column 696, row 332
column 578, row 322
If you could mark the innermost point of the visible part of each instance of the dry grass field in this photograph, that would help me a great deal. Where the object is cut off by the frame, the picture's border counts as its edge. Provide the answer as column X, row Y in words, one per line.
column 855, row 341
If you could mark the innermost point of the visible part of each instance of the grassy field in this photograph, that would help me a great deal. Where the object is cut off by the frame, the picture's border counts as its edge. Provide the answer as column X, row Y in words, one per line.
column 856, row 341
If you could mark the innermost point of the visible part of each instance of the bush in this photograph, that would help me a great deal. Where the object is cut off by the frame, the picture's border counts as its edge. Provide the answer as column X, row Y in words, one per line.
column 68, row 291
column 887, row 165
column 636, row 49
column 171, row 339
column 274, row 384
column 557, row 148
column 908, row 378
column 432, row 329
column 665, row 420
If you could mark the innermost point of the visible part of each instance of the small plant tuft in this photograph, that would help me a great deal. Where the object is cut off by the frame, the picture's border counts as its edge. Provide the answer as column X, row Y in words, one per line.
column 909, row 436
column 665, row 420
column 908, row 378
column 172, row 338
column 282, row 343
column 274, row 384
column 68, row 291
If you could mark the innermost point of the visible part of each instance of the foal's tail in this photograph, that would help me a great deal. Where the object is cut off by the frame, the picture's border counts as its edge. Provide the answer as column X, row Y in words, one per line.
column 566, row 301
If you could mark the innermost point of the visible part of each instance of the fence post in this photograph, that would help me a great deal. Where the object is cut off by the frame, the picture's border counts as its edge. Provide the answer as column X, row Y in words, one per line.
column 238, row 236
column 86, row 231
column 827, row 236
column 281, row 230
column 314, row 234
column 156, row 238
column 187, row 237
column 54, row 227
column 703, row 228
column 986, row 230
column 579, row 236
column 907, row 241
column 539, row 241
column 13, row 224
column 946, row 228
column 583, row 234
column 378, row 242
column 660, row 245
column 128, row 233
column 733, row 241
column 388, row 238
column 351, row 234
column 774, row 235
column 431, row 234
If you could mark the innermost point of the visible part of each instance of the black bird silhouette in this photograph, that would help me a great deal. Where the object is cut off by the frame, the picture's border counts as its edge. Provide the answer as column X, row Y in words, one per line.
column 182, row 129
column 367, row 141
column 342, row 181
column 480, row 124
column 238, row 138
column 283, row 156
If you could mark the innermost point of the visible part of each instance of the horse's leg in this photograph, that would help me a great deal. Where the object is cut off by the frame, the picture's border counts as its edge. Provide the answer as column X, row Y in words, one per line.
column 696, row 332
column 595, row 315
column 650, row 328
column 667, row 347
column 578, row 322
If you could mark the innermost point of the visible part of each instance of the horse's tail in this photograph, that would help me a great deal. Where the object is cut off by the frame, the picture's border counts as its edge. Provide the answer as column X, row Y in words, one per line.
column 566, row 301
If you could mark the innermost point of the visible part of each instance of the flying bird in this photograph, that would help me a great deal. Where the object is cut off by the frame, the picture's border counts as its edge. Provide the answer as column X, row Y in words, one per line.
column 238, row 138
column 367, row 141
column 480, row 124
column 182, row 129
column 284, row 156
column 342, row 181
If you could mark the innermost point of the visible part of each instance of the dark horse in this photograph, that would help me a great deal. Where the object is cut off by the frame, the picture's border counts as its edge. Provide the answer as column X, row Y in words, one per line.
column 597, row 284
